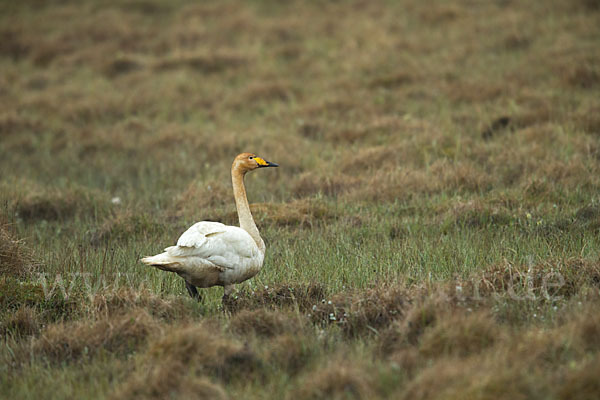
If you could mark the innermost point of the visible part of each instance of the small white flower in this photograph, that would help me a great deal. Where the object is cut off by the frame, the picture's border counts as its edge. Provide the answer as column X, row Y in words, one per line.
column 329, row 302
column 116, row 200
column 266, row 287
column 332, row 317
column 315, row 307
column 458, row 288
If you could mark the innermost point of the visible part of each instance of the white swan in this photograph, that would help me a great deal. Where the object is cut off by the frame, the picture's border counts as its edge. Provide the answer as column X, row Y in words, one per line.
column 212, row 254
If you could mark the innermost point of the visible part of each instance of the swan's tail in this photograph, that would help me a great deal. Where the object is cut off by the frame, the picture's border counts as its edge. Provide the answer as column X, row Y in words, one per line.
column 163, row 261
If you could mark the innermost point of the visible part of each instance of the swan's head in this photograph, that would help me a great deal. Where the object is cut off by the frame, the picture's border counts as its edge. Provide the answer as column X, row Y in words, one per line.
column 247, row 162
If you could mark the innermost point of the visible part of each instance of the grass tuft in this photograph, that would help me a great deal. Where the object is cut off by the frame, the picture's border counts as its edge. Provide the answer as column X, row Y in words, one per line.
column 361, row 313
column 304, row 296
column 264, row 323
column 54, row 205
column 206, row 351
column 168, row 385
column 462, row 335
column 290, row 351
column 15, row 259
column 71, row 341
column 23, row 322
column 343, row 379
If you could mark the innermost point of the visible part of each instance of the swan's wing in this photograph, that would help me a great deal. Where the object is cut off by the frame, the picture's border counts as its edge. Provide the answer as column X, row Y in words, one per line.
column 196, row 234
column 222, row 245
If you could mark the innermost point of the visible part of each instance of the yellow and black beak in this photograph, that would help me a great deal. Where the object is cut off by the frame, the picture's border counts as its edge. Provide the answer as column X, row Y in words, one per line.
column 264, row 163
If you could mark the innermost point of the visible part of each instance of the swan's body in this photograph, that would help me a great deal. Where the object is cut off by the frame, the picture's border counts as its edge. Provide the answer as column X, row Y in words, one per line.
column 213, row 254
column 210, row 254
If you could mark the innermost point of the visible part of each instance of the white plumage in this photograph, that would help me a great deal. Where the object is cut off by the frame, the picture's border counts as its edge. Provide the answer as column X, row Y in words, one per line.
column 213, row 254
column 210, row 254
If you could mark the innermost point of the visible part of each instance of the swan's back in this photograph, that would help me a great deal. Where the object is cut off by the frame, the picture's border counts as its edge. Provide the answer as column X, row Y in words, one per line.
column 211, row 253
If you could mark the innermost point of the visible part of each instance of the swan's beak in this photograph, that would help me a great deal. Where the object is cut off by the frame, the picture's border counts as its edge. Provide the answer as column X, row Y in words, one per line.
column 264, row 163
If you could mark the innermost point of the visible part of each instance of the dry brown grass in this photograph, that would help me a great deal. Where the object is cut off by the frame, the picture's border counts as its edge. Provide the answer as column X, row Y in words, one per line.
column 266, row 92
column 297, row 213
column 476, row 214
column 23, row 322
column 582, row 327
column 464, row 334
column 15, row 259
column 199, row 198
column 304, row 296
column 581, row 383
column 265, row 323
column 290, row 351
column 204, row 63
column 310, row 184
column 167, row 384
column 205, row 350
column 340, row 379
column 472, row 379
column 492, row 368
column 127, row 300
column 408, row 331
column 552, row 279
column 583, row 75
column 361, row 313
column 356, row 313
column 71, row 341
column 121, row 227
column 51, row 205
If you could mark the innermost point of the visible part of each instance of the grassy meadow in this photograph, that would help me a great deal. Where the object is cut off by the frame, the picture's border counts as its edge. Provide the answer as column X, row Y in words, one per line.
column 433, row 231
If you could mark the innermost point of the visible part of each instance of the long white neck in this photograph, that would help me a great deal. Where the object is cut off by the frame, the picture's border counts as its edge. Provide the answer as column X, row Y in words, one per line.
column 243, row 208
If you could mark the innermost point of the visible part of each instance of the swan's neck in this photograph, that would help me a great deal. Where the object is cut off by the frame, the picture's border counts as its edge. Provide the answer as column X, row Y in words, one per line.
column 243, row 208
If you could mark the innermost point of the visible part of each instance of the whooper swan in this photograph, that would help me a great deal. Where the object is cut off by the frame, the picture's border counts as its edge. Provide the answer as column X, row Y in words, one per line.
column 212, row 254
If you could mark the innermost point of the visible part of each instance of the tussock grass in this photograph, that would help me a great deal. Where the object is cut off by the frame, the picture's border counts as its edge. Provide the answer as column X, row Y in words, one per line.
column 264, row 323
column 291, row 352
column 337, row 380
column 122, row 226
column 127, row 300
column 462, row 335
column 23, row 322
column 581, row 383
column 168, row 385
column 16, row 259
column 205, row 350
column 303, row 296
column 357, row 314
column 55, row 205
column 65, row 342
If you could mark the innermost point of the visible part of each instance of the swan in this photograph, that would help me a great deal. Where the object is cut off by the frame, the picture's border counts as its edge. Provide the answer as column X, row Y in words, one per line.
column 213, row 254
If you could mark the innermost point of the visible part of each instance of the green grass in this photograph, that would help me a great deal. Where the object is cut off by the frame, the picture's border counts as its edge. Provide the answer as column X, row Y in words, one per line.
column 438, row 162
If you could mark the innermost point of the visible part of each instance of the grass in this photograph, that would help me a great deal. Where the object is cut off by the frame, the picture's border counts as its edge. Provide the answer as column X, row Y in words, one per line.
column 432, row 232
